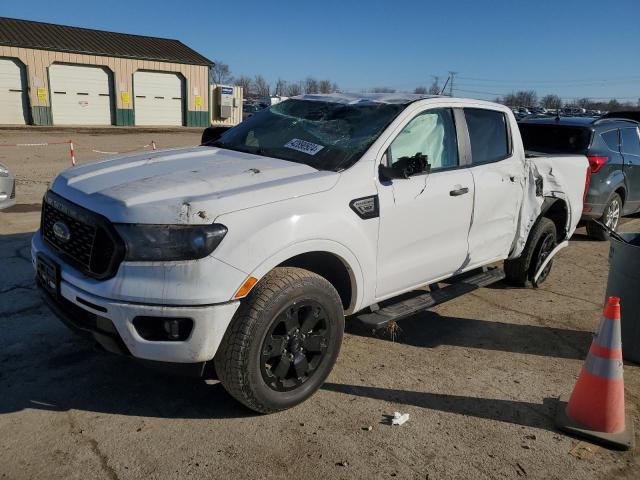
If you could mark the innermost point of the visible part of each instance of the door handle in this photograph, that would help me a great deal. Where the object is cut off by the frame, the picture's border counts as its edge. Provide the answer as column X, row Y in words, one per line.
column 459, row 191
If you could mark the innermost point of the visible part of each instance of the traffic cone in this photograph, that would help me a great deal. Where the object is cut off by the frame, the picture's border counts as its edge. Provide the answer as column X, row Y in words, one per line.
column 596, row 407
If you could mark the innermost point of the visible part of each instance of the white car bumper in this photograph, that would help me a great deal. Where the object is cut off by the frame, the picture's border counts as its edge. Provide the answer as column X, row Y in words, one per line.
column 111, row 322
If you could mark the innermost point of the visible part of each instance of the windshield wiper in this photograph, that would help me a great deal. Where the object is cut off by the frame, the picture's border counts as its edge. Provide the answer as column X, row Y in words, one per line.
column 220, row 144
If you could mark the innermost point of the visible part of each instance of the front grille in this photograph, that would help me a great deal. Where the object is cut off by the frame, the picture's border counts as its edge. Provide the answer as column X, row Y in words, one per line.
column 88, row 241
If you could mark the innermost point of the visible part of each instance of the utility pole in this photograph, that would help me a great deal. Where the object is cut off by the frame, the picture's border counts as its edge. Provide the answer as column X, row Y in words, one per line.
column 451, row 77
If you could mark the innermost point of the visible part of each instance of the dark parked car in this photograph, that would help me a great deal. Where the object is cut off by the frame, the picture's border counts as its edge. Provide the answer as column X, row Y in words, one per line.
column 613, row 147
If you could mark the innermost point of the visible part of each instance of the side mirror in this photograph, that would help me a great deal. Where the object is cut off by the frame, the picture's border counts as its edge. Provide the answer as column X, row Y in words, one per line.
column 405, row 167
column 211, row 134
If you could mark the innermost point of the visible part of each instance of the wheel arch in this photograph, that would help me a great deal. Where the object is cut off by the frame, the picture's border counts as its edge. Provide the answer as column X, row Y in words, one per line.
column 622, row 192
column 557, row 210
column 329, row 259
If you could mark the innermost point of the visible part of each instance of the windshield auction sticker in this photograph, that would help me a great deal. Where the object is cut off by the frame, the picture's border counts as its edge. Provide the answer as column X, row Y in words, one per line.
column 304, row 146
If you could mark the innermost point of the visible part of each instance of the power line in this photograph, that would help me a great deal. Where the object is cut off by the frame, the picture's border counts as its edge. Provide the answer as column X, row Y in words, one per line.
column 572, row 98
column 452, row 75
column 631, row 78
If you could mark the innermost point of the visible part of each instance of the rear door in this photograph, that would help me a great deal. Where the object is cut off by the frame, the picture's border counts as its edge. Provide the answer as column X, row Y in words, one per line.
column 498, row 176
column 630, row 140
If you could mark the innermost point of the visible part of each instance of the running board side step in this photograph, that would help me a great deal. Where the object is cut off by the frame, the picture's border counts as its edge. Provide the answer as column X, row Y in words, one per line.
column 405, row 308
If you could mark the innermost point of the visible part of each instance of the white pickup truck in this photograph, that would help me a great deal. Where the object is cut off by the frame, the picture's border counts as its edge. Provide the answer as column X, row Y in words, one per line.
column 248, row 251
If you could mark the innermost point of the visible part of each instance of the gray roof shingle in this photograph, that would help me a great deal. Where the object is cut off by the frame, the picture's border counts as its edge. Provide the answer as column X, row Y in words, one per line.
column 47, row 36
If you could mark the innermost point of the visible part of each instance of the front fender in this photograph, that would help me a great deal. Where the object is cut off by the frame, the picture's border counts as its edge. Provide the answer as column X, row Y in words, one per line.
column 261, row 238
column 347, row 257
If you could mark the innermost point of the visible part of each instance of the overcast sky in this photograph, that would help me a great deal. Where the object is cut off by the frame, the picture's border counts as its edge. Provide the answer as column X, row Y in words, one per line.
column 569, row 47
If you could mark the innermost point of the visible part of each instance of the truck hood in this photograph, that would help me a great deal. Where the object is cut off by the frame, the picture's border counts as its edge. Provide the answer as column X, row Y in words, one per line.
column 186, row 185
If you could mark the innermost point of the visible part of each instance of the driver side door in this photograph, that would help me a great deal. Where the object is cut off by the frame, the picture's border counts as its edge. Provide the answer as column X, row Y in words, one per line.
column 424, row 219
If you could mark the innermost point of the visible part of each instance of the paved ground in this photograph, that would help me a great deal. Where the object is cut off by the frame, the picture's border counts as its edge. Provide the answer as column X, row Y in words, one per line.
column 479, row 377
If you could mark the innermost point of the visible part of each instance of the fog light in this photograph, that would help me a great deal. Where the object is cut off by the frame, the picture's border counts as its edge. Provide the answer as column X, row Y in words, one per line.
column 172, row 327
column 163, row 329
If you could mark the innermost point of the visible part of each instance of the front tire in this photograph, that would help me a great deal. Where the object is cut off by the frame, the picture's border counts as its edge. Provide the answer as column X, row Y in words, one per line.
column 542, row 239
column 610, row 217
column 283, row 341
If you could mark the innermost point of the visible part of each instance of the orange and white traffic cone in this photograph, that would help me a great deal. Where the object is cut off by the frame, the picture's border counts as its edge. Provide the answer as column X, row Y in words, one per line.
column 596, row 407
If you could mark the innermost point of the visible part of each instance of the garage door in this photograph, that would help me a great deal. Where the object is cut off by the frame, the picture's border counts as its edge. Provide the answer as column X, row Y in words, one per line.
column 13, row 94
column 158, row 98
column 80, row 95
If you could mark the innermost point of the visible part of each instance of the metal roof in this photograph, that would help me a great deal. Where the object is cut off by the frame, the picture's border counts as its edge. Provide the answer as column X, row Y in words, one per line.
column 47, row 36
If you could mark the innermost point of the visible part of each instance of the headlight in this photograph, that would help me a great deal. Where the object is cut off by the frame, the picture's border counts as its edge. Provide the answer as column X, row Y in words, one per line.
column 170, row 242
column 4, row 171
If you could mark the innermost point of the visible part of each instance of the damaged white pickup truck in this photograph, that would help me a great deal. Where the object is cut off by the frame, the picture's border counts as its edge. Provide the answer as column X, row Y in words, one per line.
column 248, row 251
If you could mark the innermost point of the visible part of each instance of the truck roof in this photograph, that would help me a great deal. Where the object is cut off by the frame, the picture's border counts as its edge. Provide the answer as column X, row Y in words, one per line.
column 355, row 98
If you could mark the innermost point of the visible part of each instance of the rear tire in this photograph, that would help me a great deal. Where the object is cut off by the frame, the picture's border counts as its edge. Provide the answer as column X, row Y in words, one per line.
column 283, row 341
column 542, row 239
column 610, row 217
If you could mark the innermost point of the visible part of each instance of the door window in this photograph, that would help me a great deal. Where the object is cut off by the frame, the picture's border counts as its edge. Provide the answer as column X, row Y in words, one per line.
column 611, row 139
column 488, row 134
column 630, row 141
column 431, row 133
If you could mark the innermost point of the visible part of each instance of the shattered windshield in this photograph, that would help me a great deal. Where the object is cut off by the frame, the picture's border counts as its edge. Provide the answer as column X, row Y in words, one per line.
column 326, row 136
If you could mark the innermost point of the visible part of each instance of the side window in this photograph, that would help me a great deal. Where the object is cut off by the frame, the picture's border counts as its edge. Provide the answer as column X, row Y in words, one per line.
column 488, row 134
column 630, row 141
column 431, row 133
column 611, row 139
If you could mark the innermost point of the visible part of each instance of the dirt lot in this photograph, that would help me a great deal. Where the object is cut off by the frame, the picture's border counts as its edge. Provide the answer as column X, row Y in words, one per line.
column 479, row 377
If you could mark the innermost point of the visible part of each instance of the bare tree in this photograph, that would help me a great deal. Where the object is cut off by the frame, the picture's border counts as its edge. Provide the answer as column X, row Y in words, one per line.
column 612, row 105
column 524, row 98
column 325, row 86
column 261, row 86
column 584, row 102
column 527, row 98
column 310, row 85
column 420, row 90
column 220, row 73
column 281, row 87
column 383, row 90
column 244, row 82
column 294, row 89
column 551, row 102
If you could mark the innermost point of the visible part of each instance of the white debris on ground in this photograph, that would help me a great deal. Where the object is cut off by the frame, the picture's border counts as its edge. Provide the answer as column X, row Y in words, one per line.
column 399, row 418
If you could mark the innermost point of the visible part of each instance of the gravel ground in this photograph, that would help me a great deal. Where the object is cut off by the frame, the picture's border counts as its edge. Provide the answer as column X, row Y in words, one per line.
column 479, row 376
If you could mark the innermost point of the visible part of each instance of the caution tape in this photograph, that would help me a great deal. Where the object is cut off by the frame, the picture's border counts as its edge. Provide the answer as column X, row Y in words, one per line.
column 152, row 145
column 46, row 144
column 72, row 153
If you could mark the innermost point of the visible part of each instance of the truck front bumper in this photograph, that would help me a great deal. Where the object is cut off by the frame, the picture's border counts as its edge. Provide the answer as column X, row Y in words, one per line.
column 111, row 322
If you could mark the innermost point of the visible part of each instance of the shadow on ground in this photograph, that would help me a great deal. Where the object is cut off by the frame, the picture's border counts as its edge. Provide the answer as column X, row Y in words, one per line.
column 429, row 329
column 509, row 411
column 23, row 208
column 75, row 376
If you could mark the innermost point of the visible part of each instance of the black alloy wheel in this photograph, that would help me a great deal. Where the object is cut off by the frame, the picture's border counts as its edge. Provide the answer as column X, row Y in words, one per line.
column 295, row 345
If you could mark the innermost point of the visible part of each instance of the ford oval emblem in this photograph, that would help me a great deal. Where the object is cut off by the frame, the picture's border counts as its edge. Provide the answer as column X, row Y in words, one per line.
column 61, row 231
